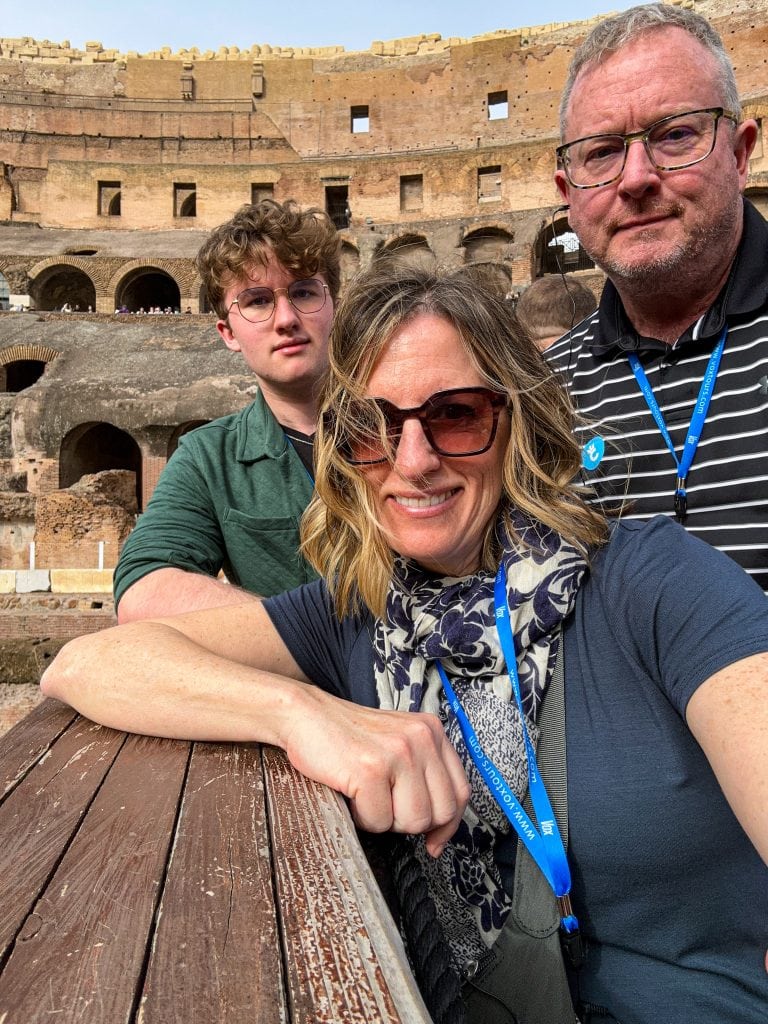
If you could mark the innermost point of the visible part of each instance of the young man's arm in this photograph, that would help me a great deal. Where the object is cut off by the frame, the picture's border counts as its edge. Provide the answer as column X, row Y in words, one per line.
column 173, row 591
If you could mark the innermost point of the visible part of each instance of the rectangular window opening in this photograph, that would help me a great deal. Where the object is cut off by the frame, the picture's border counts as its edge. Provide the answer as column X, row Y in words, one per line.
column 359, row 120
column 337, row 205
column 411, row 192
column 498, row 105
column 184, row 199
column 109, row 198
column 262, row 190
column 488, row 183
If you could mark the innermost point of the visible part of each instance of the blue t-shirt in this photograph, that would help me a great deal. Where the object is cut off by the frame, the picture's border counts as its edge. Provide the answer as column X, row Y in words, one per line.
column 672, row 896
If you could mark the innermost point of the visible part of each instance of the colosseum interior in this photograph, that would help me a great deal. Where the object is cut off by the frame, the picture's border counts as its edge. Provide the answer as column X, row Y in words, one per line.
column 114, row 166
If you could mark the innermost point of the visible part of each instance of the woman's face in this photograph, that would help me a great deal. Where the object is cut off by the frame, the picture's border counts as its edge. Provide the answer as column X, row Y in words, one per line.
column 433, row 509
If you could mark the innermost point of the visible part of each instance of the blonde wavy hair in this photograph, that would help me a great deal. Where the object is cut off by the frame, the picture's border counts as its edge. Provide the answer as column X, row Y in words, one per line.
column 342, row 536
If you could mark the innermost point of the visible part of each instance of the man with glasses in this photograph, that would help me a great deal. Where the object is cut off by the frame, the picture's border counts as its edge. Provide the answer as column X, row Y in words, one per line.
column 233, row 493
column 671, row 372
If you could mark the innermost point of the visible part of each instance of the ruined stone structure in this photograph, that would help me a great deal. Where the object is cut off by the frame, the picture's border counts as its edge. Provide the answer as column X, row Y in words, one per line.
column 114, row 166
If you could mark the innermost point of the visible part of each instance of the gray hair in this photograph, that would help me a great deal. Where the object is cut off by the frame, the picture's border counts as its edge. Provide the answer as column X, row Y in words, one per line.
column 614, row 33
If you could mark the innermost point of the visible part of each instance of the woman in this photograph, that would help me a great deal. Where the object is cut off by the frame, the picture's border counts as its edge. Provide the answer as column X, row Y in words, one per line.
column 444, row 508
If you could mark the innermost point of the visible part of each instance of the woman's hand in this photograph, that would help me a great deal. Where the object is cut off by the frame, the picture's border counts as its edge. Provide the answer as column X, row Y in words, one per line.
column 398, row 769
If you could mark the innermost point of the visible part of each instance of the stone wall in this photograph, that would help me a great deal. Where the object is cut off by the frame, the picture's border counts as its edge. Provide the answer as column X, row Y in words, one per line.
column 113, row 167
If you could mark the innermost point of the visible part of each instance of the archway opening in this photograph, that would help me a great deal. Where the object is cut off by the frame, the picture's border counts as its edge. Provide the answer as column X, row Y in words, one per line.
column 558, row 250
column 21, row 374
column 62, row 286
column 412, row 250
column 350, row 262
column 148, row 288
column 180, row 431
column 95, row 447
column 487, row 244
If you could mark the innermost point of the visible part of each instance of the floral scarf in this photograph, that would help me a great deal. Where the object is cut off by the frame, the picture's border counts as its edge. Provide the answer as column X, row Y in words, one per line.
column 429, row 618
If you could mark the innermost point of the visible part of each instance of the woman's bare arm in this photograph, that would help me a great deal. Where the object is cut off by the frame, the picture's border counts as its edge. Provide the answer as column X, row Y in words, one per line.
column 225, row 674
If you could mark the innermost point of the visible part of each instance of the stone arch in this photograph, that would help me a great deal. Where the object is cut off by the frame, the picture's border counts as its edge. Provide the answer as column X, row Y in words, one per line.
column 487, row 244
column 180, row 431
column 146, row 287
column 94, row 447
column 55, row 282
column 145, row 283
column 22, row 365
column 408, row 248
column 350, row 262
column 558, row 251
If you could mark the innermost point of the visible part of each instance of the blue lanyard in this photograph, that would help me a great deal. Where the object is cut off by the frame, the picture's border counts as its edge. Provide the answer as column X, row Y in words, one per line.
column 697, row 419
column 544, row 843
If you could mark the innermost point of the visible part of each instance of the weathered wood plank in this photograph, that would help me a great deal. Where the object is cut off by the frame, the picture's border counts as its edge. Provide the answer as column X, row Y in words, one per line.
column 216, row 955
column 40, row 816
column 80, row 954
column 24, row 744
column 345, row 962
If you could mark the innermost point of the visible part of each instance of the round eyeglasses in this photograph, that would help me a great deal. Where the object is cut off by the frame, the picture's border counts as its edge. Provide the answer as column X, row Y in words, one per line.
column 671, row 143
column 258, row 304
column 459, row 422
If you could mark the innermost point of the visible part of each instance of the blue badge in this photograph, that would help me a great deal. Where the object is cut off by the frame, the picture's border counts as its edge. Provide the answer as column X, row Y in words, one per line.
column 592, row 453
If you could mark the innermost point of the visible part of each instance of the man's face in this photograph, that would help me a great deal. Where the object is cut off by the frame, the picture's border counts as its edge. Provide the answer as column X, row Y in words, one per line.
column 652, row 222
column 288, row 351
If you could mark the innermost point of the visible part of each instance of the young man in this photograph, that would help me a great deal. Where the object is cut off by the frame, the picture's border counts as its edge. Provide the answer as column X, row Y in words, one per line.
column 233, row 493
column 653, row 165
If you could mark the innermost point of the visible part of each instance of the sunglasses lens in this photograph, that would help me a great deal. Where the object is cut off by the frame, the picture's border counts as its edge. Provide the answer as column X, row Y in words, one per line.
column 460, row 423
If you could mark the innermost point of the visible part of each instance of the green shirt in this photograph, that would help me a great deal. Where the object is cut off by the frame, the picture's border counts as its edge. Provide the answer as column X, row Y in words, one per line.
column 230, row 497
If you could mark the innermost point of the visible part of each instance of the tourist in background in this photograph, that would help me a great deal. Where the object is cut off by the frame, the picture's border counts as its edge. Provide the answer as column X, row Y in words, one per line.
column 552, row 305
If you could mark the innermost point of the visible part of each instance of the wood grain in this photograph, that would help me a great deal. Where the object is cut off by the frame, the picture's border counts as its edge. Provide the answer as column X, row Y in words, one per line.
column 216, row 954
column 345, row 962
column 85, row 942
column 24, row 744
column 41, row 815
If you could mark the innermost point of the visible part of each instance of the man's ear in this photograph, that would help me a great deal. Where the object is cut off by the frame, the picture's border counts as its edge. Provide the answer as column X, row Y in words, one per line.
column 222, row 326
column 745, row 138
column 562, row 185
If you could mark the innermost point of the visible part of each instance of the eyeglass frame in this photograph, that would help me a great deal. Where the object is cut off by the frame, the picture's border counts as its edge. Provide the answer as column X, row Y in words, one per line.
column 399, row 416
column 718, row 114
column 275, row 293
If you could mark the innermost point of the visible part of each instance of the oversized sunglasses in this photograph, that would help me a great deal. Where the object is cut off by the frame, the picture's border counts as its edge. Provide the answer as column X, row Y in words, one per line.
column 458, row 422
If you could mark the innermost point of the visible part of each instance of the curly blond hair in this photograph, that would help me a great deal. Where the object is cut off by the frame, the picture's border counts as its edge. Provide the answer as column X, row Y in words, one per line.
column 306, row 242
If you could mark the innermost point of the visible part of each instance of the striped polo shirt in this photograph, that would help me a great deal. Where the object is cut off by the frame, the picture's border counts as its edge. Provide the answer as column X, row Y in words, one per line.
column 727, row 485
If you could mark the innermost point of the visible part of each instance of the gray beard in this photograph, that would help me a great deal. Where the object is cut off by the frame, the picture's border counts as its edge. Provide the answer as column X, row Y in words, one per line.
column 689, row 265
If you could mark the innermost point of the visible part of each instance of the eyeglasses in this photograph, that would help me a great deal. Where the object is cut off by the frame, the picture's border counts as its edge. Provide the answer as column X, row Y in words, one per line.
column 458, row 422
column 258, row 304
column 671, row 143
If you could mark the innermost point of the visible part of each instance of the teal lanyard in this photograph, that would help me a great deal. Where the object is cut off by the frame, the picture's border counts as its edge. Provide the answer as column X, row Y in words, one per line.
column 697, row 419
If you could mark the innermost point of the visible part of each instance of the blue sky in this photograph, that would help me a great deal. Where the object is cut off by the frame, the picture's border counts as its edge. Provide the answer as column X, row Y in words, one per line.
column 143, row 26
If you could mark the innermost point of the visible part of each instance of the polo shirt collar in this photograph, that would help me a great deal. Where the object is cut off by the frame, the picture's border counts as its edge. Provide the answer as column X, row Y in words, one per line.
column 745, row 291
column 259, row 435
